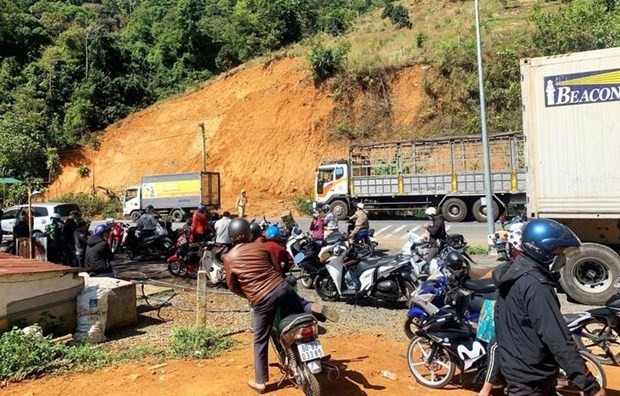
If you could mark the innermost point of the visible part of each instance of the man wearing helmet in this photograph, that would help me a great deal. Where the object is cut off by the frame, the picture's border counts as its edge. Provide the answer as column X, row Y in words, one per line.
column 251, row 273
column 98, row 253
column 532, row 337
column 360, row 217
column 436, row 232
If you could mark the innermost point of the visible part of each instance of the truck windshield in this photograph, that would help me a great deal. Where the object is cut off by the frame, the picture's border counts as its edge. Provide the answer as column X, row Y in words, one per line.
column 325, row 175
column 130, row 194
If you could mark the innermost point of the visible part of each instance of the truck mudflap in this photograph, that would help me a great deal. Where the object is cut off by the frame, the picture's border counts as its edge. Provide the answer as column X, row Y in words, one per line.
column 589, row 275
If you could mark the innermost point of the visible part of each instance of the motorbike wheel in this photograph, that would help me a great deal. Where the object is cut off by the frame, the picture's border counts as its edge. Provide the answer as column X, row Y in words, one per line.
column 599, row 339
column 326, row 288
column 370, row 246
column 174, row 268
column 307, row 281
column 436, row 374
column 310, row 385
column 565, row 387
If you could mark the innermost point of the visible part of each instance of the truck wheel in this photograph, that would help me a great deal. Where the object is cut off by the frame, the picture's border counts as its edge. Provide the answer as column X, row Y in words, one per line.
column 454, row 210
column 340, row 209
column 135, row 215
column 177, row 215
column 589, row 277
column 480, row 212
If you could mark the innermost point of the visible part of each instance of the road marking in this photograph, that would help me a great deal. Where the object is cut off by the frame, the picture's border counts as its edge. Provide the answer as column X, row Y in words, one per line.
column 399, row 229
column 383, row 229
column 389, row 235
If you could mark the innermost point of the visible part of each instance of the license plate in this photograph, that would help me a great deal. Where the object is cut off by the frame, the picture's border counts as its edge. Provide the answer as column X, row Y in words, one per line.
column 310, row 351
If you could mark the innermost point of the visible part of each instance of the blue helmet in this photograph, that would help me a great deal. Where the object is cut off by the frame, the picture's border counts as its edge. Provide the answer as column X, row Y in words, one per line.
column 273, row 232
column 100, row 229
column 202, row 208
column 541, row 237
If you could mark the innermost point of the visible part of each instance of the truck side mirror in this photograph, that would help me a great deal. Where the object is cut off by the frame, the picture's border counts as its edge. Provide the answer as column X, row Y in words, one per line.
column 319, row 187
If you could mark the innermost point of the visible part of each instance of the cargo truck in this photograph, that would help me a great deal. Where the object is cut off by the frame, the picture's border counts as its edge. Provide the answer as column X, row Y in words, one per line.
column 443, row 172
column 571, row 122
column 175, row 195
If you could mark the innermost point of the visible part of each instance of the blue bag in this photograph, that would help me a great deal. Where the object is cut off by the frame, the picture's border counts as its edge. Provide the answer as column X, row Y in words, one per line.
column 486, row 322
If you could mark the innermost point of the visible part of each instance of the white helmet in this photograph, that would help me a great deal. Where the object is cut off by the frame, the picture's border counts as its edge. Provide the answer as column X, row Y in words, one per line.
column 360, row 205
column 514, row 238
column 430, row 211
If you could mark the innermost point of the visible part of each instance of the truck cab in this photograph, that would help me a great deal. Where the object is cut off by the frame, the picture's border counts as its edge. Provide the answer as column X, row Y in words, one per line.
column 131, row 202
column 331, row 186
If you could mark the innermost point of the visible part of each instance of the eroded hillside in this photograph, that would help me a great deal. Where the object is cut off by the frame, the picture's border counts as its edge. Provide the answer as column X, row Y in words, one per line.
column 266, row 130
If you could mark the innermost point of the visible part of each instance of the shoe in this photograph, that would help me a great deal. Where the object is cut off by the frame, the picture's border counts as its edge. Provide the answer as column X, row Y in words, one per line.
column 258, row 388
column 329, row 313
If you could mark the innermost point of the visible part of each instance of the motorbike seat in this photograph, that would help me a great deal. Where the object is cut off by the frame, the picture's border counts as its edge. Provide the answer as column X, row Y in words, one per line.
column 366, row 265
column 333, row 238
column 482, row 286
column 294, row 320
column 151, row 238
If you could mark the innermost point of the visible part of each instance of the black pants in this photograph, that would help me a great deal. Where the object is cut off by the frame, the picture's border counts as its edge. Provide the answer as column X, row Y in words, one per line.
column 542, row 388
column 263, row 314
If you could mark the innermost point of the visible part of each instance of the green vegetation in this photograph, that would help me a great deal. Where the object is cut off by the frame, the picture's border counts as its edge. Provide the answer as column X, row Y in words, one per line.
column 25, row 355
column 302, row 204
column 197, row 342
column 70, row 68
column 91, row 204
column 477, row 250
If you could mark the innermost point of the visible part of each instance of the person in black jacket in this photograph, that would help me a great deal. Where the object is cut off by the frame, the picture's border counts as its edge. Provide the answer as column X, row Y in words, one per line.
column 436, row 232
column 80, row 240
column 533, row 340
column 98, row 252
column 68, row 229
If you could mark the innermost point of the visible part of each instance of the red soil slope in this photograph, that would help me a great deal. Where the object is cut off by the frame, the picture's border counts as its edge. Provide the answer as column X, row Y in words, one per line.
column 266, row 132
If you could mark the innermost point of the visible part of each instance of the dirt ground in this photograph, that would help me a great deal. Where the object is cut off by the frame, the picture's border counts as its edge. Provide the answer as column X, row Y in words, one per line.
column 361, row 357
column 266, row 131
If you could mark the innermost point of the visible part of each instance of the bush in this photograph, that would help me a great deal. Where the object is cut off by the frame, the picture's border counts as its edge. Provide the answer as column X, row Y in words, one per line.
column 83, row 171
column 197, row 342
column 326, row 62
column 24, row 355
column 303, row 205
column 92, row 205
column 398, row 15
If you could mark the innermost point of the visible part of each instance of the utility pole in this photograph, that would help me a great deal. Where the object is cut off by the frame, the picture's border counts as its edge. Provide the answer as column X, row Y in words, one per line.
column 204, row 147
column 485, row 137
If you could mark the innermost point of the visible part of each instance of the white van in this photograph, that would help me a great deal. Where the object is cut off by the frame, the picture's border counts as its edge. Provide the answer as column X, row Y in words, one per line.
column 42, row 213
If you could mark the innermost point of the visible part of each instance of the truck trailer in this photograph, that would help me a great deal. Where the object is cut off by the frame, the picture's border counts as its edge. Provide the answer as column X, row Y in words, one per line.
column 444, row 172
column 174, row 195
column 571, row 123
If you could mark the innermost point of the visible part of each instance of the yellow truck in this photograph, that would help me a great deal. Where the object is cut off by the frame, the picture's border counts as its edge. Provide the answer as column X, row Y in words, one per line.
column 175, row 195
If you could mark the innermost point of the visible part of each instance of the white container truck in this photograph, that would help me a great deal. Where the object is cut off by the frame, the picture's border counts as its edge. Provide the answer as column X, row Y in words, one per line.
column 175, row 195
column 571, row 122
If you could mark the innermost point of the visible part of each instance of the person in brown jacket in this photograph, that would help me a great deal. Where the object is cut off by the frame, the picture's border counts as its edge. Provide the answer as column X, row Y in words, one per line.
column 251, row 274
column 360, row 217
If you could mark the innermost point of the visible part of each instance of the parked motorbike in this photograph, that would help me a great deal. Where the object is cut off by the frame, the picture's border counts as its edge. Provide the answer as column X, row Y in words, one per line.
column 295, row 339
column 155, row 246
column 117, row 234
column 213, row 262
column 429, row 297
column 598, row 330
column 310, row 254
column 185, row 262
column 345, row 276
column 500, row 241
column 416, row 247
column 446, row 341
